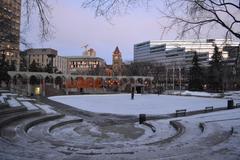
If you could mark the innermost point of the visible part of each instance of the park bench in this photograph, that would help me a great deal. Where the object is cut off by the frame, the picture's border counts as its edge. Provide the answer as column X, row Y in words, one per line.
column 209, row 109
column 181, row 112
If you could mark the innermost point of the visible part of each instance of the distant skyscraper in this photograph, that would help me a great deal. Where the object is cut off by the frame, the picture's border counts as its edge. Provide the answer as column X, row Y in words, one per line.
column 117, row 62
column 10, row 12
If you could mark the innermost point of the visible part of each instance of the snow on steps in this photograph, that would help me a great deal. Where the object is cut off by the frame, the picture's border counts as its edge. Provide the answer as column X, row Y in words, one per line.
column 11, row 110
column 60, row 124
column 17, row 116
column 43, row 119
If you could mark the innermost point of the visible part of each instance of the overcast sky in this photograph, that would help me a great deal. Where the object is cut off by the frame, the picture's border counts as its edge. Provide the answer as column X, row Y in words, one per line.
column 76, row 27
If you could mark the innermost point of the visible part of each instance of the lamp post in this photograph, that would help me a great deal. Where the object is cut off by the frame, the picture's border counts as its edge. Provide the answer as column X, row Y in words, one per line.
column 166, row 79
column 180, row 79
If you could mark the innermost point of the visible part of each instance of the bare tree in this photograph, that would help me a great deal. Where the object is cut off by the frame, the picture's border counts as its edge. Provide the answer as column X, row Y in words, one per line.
column 109, row 8
column 190, row 16
column 197, row 16
column 42, row 9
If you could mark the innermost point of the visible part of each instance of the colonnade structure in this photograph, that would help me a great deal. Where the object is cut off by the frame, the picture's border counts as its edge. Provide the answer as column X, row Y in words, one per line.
column 40, row 83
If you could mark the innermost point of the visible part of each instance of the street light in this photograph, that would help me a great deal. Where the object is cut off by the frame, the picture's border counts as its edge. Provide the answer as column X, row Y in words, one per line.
column 180, row 79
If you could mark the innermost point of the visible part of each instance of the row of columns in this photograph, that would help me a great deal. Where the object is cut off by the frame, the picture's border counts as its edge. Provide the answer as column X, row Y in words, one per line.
column 42, row 78
column 134, row 84
column 42, row 86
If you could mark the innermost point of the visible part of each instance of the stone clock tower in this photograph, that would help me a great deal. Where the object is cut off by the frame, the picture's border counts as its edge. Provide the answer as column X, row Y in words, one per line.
column 117, row 63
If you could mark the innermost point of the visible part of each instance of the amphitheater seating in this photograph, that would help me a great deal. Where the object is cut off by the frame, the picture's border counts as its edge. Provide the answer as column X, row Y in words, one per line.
column 39, row 135
column 8, row 110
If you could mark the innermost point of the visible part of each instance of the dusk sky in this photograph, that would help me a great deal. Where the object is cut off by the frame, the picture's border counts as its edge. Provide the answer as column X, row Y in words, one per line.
column 75, row 27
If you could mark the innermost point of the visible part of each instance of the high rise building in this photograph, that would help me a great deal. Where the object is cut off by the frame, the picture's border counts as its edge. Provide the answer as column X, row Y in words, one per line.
column 10, row 12
column 180, row 52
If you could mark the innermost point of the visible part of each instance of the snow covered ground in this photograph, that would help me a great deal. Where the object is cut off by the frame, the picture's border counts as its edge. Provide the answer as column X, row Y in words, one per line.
column 13, row 102
column 235, row 95
column 103, row 138
column 2, row 99
column 148, row 104
column 48, row 109
column 199, row 94
column 29, row 105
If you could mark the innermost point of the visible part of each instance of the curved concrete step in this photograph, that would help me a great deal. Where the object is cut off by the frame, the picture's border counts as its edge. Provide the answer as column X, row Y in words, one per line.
column 11, row 110
column 175, row 151
column 60, row 124
column 214, row 134
column 22, row 115
column 4, row 106
column 8, row 124
column 180, row 129
column 42, row 120
column 21, row 128
column 22, row 146
column 42, row 133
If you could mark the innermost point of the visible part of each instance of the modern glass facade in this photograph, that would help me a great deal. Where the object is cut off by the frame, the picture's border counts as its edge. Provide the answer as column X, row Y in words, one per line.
column 180, row 53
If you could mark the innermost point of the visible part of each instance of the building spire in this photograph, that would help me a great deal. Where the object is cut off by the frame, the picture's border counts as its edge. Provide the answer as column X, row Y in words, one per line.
column 117, row 51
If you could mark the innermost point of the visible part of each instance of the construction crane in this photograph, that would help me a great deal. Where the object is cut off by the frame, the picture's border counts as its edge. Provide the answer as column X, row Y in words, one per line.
column 85, row 46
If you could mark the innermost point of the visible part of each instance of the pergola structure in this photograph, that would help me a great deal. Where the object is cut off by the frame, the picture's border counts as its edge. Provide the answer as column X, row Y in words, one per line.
column 26, row 81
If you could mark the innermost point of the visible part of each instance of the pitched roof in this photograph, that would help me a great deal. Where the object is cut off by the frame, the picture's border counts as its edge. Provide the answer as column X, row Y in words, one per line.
column 117, row 51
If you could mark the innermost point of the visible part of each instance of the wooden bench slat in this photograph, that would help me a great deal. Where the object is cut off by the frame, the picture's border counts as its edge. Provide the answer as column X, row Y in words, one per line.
column 181, row 112
column 208, row 109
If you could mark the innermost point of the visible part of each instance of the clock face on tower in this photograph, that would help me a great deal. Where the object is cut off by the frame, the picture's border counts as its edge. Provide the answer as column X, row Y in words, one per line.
column 116, row 57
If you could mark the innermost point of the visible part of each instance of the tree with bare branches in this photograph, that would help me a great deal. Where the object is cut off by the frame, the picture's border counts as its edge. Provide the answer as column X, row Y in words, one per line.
column 110, row 8
column 189, row 16
column 198, row 16
column 42, row 9
column 192, row 16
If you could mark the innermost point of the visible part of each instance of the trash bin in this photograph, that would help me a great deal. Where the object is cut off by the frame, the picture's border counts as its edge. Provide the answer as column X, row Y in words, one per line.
column 142, row 118
column 230, row 104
